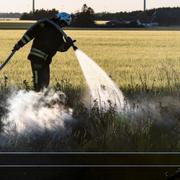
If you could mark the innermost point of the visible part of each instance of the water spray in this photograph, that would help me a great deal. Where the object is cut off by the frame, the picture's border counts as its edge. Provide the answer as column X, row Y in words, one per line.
column 103, row 92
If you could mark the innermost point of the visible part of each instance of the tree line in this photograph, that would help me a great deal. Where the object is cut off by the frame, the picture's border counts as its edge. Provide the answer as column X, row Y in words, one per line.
column 83, row 18
column 163, row 16
column 86, row 17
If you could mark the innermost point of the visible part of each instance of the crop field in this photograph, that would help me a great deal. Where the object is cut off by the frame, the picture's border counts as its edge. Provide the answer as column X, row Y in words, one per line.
column 144, row 64
column 134, row 59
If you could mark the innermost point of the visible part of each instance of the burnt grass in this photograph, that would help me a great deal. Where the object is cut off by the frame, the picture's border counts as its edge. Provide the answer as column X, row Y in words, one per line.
column 150, row 122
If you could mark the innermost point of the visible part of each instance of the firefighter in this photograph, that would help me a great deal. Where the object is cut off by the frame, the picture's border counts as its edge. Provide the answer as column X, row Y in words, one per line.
column 47, row 40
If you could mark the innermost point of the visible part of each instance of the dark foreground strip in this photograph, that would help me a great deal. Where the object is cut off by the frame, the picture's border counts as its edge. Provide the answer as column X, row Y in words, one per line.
column 79, row 165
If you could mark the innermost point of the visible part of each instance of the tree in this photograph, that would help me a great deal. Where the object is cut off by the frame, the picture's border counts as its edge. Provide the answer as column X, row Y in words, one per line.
column 85, row 18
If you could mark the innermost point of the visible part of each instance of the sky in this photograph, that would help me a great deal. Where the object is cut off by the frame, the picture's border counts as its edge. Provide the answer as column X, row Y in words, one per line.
column 74, row 5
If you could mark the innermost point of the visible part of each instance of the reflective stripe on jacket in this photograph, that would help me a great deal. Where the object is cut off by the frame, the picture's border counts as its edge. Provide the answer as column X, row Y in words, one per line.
column 24, row 40
column 38, row 53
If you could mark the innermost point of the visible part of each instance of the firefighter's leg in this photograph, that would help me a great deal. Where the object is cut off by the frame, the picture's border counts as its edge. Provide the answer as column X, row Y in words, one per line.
column 46, row 75
column 41, row 75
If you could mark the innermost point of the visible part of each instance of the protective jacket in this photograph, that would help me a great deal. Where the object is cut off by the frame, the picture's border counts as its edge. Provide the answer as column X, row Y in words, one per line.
column 47, row 40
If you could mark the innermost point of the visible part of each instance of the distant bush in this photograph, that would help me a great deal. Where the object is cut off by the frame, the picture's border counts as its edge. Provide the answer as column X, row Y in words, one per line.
column 10, row 15
column 39, row 14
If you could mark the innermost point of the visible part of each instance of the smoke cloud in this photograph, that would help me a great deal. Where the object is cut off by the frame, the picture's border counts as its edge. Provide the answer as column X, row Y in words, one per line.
column 32, row 113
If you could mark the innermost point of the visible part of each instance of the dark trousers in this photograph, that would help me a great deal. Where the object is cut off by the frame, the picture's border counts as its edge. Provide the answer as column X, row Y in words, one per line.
column 41, row 74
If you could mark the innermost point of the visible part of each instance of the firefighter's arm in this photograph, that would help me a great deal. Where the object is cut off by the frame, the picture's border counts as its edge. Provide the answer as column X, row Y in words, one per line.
column 66, row 44
column 24, row 40
column 31, row 33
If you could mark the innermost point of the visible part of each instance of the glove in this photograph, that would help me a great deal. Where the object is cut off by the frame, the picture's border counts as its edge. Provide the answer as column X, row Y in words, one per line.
column 70, row 41
column 16, row 47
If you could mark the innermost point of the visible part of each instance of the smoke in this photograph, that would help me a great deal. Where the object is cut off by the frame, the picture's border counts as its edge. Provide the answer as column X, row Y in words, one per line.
column 31, row 113
column 103, row 92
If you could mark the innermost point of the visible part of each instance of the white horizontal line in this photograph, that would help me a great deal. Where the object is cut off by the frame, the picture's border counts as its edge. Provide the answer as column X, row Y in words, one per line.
column 94, row 153
column 95, row 166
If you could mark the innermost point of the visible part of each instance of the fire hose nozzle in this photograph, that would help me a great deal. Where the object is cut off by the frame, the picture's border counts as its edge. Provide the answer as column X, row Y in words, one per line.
column 74, row 47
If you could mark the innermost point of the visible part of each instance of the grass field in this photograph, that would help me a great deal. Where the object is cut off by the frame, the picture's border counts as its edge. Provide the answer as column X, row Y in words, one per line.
column 146, row 67
column 134, row 59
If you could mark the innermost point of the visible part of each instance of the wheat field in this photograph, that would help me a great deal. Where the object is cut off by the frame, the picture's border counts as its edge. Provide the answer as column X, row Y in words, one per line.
column 133, row 59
